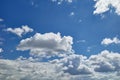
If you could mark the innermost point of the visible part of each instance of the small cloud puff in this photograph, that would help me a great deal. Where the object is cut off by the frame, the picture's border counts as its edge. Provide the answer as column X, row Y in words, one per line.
column 108, row 41
column 61, row 1
column 20, row 31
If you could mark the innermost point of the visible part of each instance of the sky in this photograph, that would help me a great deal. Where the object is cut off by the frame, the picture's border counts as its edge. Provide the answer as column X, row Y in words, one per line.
column 78, row 39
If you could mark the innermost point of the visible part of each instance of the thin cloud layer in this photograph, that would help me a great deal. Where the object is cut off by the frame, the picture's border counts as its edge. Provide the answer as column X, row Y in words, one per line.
column 108, row 41
column 103, row 6
column 47, row 45
column 20, row 31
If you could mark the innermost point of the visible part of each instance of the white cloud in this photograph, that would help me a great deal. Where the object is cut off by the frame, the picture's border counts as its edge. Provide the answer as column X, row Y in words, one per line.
column 103, row 6
column 1, row 50
column 73, row 64
column 20, row 31
column 48, row 44
column 1, row 41
column 104, row 66
column 108, row 41
column 77, row 64
column 26, row 70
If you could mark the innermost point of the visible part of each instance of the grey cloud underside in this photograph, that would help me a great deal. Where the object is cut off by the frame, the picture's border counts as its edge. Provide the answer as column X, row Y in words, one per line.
column 104, row 66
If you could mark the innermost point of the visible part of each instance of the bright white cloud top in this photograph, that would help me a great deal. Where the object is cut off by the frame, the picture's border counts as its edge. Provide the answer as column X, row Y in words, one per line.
column 47, row 45
column 20, row 31
column 103, row 6
column 108, row 41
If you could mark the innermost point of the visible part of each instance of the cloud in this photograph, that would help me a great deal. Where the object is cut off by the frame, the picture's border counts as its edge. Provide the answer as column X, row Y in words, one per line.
column 103, row 6
column 103, row 66
column 73, row 64
column 105, row 61
column 26, row 70
column 20, row 31
column 81, row 65
column 1, row 50
column 53, row 45
column 61, row 1
column 1, row 19
column 47, row 45
column 108, row 41
column 72, row 13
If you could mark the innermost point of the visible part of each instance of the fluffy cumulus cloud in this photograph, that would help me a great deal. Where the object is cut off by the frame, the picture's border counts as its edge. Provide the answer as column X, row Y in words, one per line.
column 47, row 45
column 1, row 50
column 108, row 41
column 20, row 31
column 73, row 64
column 103, row 6
column 104, row 66
column 26, row 70
column 105, row 61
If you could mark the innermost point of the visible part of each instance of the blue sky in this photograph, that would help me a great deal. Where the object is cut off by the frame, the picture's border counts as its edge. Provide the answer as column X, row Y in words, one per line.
column 93, row 28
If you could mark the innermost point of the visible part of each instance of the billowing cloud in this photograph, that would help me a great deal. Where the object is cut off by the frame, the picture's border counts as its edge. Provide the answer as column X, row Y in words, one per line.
column 20, row 31
column 108, row 41
column 103, row 6
column 105, row 61
column 77, row 64
column 73, row 64
column 1, row 50
column 103, row 66
column 47, row 45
